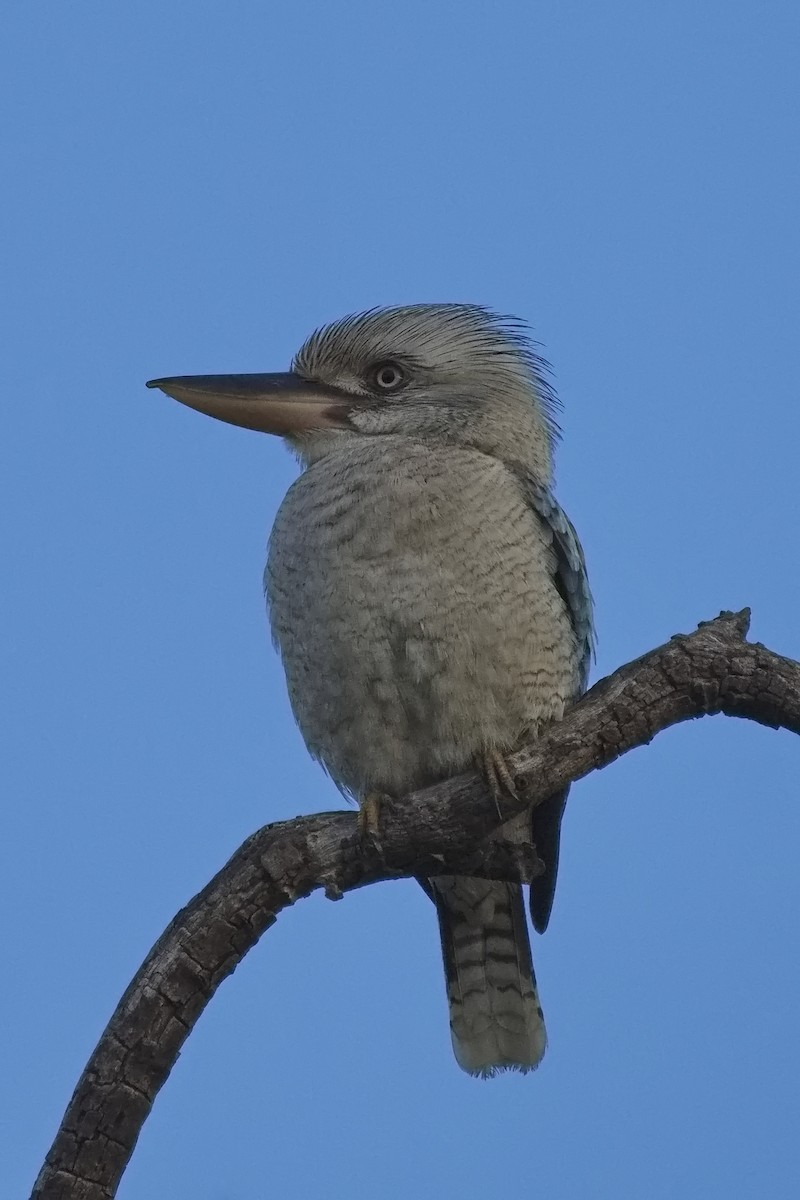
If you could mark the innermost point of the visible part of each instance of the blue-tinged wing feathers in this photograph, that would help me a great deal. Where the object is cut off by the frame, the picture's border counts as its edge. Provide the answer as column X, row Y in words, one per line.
column 570, row 578
column 572, row 584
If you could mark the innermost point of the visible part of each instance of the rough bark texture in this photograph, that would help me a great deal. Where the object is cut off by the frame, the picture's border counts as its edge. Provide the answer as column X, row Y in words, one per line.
column 441, row 830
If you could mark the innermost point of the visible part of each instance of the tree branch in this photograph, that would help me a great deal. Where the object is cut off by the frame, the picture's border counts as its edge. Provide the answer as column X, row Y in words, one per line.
column 440, row 830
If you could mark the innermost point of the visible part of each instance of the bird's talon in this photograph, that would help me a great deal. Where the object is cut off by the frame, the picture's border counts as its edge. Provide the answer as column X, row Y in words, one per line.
column 369, row 816
column 491, row 764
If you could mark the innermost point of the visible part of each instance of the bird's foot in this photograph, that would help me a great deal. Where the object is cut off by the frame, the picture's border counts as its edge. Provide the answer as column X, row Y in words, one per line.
column 492, row 766
column 369, row 817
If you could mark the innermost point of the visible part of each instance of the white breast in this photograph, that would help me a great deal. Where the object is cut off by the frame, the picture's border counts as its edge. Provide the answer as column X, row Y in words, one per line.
column 411, row 596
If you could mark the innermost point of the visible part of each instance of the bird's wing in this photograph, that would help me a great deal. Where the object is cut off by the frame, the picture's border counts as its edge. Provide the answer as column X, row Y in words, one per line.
column 572, row 583
column 570, row 578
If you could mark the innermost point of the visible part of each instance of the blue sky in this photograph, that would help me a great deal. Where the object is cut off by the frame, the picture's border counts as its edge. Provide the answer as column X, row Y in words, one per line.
column 193, row 189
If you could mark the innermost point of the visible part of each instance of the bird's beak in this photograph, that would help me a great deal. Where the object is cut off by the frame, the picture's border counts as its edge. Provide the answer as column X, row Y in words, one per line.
column 278, row 403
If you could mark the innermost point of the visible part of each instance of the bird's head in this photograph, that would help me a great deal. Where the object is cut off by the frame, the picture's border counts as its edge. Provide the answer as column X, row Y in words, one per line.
column 454, row 373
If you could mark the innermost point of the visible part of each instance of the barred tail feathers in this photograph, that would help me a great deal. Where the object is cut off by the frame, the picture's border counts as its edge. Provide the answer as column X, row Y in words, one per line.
column 496, row 1020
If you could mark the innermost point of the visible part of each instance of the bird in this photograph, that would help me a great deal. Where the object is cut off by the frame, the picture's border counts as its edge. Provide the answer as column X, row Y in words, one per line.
column 429, row 599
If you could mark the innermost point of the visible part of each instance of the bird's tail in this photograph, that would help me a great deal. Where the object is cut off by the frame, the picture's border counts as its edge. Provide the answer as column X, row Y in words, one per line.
column 495, row 1018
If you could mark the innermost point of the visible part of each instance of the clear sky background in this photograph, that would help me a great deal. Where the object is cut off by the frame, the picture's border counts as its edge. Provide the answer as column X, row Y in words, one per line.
column 193, row 188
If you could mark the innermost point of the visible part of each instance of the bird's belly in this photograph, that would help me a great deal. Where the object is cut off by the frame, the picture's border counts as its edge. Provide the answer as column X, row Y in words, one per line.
column 406, row 655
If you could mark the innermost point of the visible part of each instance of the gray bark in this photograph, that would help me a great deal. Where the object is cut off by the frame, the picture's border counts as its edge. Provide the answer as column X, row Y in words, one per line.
column 442, row 830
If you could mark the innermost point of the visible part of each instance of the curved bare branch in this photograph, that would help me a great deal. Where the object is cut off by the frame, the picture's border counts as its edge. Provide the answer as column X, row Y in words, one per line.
column 435, row 831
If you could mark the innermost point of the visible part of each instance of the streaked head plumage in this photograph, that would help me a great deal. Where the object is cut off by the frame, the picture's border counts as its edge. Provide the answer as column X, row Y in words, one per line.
column 460, row 347
column 455, row 374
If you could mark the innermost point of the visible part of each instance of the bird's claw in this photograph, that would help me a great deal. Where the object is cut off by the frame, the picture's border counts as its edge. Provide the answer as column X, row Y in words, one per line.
column 492, row 766
column 369, row 817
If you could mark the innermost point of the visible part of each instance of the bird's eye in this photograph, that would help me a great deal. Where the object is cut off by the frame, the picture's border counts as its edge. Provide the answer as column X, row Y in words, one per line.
column 388, row 376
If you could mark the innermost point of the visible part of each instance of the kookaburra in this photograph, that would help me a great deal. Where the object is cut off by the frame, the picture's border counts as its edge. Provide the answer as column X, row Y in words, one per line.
column 428, row 597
